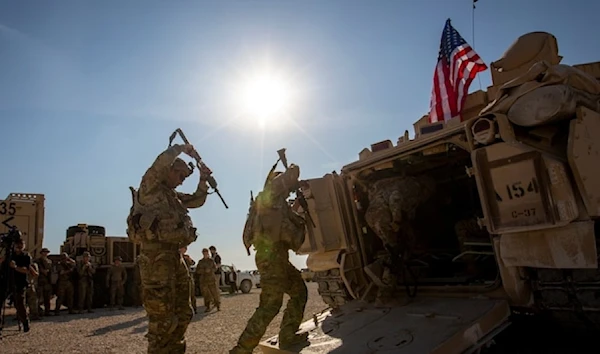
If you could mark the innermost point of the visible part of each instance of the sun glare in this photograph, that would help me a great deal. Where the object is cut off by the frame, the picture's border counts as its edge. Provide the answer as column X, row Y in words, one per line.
column 265, row 99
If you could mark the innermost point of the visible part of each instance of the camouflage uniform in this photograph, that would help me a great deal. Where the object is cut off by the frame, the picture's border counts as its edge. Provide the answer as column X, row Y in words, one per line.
column 163, row 219
column 31, row 293
column 86, row 271
column 276, row 229
column 115, row 281
column 44, row 289
column 206, row 272
column 64, row 291
column 392, row 206
column 190, row 262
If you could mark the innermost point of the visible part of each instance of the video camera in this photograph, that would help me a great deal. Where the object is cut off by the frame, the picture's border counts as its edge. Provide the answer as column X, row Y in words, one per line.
column 9, row 238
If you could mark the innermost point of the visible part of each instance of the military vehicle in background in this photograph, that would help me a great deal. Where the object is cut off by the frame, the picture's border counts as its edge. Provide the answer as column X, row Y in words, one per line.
column 520, row 172
column 231, row 280
column 103, row 250
column 26, row 212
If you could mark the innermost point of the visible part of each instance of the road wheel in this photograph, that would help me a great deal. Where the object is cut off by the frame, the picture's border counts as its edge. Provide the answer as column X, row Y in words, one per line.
column 245, row 286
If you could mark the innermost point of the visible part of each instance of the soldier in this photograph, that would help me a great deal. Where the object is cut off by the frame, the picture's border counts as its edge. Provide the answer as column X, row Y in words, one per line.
column 31, row 292
column 159, row 220
column 276, row 228
column 64, row 290
column 214, row 255
column 86, row 271
column 44, row 289
column 392, row 205
column 20, row 264
column 137, row 282
column 206, row 272
column 190, row 262
column 115, row 282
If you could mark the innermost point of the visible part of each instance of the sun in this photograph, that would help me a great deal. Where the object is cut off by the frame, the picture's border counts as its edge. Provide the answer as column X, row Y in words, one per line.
column 265, row 99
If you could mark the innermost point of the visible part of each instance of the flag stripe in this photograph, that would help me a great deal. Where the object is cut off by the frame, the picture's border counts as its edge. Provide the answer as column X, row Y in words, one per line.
column 457, row 66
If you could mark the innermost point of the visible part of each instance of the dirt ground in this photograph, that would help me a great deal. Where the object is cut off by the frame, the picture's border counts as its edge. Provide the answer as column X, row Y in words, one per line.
column 113, row 331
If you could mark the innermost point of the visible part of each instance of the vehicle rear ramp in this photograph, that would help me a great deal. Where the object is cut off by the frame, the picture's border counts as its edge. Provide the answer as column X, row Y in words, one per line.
column 426, row 325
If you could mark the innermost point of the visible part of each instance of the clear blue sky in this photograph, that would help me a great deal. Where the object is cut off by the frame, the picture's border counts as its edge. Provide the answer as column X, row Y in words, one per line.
column 89, row 92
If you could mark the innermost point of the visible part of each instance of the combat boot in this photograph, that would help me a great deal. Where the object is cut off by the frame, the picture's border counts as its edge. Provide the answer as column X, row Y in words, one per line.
column 285, row 343
column 26, row 326
column 239, row 350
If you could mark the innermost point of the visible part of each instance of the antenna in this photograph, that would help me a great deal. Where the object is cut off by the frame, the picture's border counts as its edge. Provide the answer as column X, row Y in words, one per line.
column 473, row 34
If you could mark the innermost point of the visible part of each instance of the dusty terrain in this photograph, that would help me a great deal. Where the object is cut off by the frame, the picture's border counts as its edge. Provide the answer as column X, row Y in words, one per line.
column 107, row 331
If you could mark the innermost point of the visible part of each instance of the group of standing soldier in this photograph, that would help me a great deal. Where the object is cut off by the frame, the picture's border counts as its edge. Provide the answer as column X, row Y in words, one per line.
column 70, row 273
column 159, row 221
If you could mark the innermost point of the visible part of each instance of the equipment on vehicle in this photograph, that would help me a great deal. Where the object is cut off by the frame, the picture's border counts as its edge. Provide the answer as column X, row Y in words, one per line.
column 512, row 227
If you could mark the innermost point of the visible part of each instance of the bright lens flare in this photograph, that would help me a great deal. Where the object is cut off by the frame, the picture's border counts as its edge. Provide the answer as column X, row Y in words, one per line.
column 264, row 99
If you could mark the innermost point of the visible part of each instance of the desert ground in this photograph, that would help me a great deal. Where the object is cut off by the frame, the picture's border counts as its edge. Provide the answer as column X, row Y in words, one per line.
column 114, row 331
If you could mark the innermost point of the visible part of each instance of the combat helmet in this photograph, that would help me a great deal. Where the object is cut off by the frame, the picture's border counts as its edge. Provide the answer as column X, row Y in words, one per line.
column 180, row 165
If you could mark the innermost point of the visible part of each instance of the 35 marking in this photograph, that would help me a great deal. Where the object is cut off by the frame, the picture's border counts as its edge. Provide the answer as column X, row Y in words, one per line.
column 9, row 209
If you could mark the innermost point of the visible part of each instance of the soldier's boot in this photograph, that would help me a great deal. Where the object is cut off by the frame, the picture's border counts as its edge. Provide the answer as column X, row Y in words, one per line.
column 285, row 343
column 26, row 326
column 238, row 350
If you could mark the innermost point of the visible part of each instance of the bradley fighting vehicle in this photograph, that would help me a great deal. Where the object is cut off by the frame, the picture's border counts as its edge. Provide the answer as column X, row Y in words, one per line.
column 511, row 228
column 103, row 250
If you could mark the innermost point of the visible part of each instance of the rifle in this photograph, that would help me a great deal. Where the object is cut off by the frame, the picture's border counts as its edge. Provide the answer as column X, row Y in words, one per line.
column 299, row 194
column 199, row 163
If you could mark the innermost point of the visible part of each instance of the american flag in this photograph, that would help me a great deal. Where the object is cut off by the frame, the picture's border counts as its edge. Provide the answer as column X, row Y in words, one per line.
column 457, row 66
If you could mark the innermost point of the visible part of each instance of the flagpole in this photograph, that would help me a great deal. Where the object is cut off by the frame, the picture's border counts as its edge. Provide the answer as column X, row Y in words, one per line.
column 473, row 33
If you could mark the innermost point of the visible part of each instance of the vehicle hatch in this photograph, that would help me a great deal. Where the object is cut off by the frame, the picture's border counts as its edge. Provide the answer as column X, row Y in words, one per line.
column 427, row 325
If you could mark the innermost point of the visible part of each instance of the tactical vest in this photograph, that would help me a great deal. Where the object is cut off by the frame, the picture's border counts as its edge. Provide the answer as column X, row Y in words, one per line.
column 274, row 220
column 166, row 220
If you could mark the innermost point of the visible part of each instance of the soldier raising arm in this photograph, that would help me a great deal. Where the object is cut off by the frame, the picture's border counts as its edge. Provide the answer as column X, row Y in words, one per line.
column 171, row 169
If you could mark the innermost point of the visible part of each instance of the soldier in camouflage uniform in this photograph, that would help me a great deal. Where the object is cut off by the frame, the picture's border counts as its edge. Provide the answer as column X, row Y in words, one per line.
column 392, row 206
column 31, row 292
column 206, row 272
column 86, row 271
column 159, row 219
column 276, row 228
column 44, row 289
column 190, row 262
column 115, row 282
column 66, row 266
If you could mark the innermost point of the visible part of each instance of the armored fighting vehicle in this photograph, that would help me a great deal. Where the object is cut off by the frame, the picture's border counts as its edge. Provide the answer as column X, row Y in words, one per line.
column 512, row 226
column 103, row 250
column 25, row 211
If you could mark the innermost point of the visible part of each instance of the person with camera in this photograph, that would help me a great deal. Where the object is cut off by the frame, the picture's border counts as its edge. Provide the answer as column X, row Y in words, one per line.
column 19, row 264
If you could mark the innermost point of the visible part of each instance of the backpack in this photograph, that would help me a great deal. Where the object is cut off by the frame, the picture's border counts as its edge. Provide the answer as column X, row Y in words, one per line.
column 133, row 230
column 248, row 234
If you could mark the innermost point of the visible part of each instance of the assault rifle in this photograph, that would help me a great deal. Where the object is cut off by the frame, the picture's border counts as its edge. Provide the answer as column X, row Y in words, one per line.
column 299, row 194
column 199, row 163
